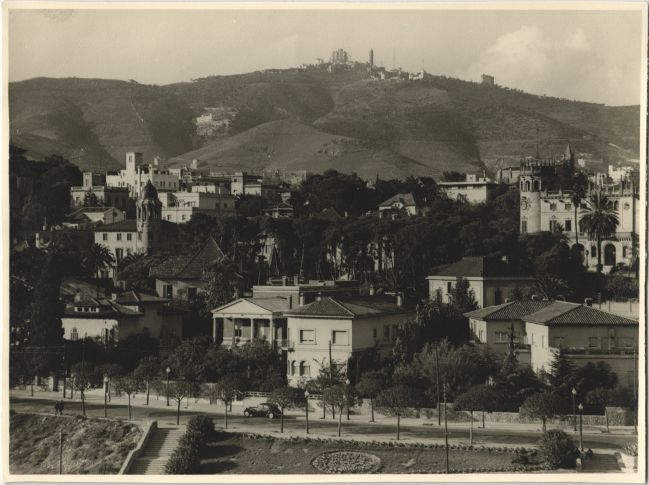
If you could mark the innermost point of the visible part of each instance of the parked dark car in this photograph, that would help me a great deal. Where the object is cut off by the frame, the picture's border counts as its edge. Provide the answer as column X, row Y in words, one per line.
column 265, row 409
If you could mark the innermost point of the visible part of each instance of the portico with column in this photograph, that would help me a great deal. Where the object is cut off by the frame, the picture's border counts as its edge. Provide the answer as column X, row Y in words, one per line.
column 249, row 319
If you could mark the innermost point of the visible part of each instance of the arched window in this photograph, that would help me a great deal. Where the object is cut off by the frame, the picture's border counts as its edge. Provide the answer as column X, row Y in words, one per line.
column 528, row 185
column 305, row 369
column 498, row 297
column 593, row 251
column 293, row 368
column 536, row 185
column 609, row 255
column 616, row 205
column 74, row 334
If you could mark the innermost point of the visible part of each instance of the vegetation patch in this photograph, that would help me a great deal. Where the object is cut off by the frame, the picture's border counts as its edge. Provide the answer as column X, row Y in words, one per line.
column 347, row 462
column 90, row 446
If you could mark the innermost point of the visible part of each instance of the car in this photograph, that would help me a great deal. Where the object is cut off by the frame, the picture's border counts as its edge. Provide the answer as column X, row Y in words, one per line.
column 265, row 409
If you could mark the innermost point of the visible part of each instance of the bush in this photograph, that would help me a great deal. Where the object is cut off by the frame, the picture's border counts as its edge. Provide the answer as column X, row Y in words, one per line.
column 183, row 461
column 630, row 449
column 557, row 450
column 201, row 424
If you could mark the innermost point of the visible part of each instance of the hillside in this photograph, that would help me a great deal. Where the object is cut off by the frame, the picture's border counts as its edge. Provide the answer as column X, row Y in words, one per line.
column 313, row 120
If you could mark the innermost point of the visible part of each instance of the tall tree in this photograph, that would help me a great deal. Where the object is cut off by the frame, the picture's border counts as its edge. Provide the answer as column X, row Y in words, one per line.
column 599, row 220
column 543, row 405
column 579, row 187
column 96, row 259
column 398, row 401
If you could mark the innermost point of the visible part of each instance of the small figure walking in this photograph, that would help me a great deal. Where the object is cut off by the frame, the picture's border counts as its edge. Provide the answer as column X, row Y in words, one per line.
column 61, row 407
column 56, row 407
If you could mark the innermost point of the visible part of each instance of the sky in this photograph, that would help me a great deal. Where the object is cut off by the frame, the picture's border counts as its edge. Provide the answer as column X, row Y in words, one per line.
column 584, row 55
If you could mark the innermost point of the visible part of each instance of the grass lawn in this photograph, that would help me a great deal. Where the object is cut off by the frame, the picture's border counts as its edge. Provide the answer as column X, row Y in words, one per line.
column 89, row 445
column 231, row 453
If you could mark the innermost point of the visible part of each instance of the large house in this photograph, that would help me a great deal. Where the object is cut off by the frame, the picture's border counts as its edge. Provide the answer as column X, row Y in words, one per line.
column 399, row 205
column 492, row 281
column 542, row 209
column 182, row 277
column 474, row 189
column 546, row 328
column 115, row 318
column 180, row 207
column 340, row 328
column 95, row 185
column 137, row 175
column 147, row 234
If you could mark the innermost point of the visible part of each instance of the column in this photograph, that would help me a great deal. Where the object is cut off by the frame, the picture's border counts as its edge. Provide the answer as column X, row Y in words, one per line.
column 252, row 329
column 272, row 333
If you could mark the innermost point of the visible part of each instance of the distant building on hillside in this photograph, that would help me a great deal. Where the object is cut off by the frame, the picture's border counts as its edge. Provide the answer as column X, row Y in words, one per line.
column 95, row 186
column 474, row 189
column 339, row 56
column 488, row 80
column 399, row 205
column 136, row 175
column 371, row 59
column 180, row 207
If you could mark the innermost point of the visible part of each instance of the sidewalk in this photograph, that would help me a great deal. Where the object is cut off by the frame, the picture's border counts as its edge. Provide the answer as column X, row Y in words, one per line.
column 96, row 397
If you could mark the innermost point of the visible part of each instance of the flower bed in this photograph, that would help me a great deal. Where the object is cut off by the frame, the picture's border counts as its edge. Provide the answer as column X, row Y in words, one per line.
column 346, row 462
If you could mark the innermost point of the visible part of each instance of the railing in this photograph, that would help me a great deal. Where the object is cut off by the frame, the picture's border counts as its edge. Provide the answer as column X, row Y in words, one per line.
column 584, row 351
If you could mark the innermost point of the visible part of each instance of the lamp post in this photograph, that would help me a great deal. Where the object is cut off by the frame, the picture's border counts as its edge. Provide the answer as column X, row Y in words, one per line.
column 306, row 409
column 574, row 411
column 168, row 370
column 347, row 383
column 105, row 396
column 581, row 428
column 445, row 429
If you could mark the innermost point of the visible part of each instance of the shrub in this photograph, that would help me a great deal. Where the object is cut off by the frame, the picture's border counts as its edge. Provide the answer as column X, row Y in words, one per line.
column 183, row 461
column 557, row 450
column 630, row 449
column 201, row 424
column 186, row 457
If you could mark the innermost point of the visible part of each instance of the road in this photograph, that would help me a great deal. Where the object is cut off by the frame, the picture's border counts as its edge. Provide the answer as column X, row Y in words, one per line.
column 358, row 427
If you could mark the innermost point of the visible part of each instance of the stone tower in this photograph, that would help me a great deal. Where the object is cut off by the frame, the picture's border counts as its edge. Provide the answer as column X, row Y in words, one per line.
column 149, row 219
column 530, row 199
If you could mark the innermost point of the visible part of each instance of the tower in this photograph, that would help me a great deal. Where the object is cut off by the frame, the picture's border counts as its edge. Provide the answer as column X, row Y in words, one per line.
column 149, row 219
column 133, row 159
column 371, row 57
column 530, row 186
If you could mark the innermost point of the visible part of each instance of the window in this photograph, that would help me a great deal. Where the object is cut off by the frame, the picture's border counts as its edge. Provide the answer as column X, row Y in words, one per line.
column 184, row 217
column 568, row 225
column 238, row 331
column 305, row 369
column 386, row 332
column 167, row 291
column 74, row 334
column 191, row 294
column 553, row 206
column 593, row 251
column 568, row 207
column 105, row 236
column 553, row 226
column 375, row 333
column 293, row 368
column 139, row 236
column 558, row 342
column 129, row 236
column 119, row 236
column 625, row 342
column 307, row 336
column 449, row 287
column 627, row 206
column 119, row 254
column 339, row 337
column 502, row 337
column 523, row 226
column 593, row 343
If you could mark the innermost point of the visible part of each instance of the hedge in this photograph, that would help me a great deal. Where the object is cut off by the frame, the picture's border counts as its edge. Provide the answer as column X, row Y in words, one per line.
column 186, row 457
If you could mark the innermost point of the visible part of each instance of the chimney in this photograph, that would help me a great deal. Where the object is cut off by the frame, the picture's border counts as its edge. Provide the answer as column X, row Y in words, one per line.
column 319, row 296
column 588, row 301
column 399, row 299
column 301, row 299
column 290, row 302
column 372, row 290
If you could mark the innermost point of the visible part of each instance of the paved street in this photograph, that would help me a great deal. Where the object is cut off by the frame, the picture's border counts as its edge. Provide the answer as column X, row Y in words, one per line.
column 357, row 427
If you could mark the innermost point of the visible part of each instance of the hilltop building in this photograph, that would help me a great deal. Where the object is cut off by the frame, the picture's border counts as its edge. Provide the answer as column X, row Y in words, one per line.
column 340, row 56
column 492, row 281
column 136, row 175
column 544, row 329
column 488, row 80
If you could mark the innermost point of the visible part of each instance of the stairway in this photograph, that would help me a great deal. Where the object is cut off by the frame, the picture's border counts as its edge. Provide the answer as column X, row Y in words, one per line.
column 600, row 463
column 153, row 459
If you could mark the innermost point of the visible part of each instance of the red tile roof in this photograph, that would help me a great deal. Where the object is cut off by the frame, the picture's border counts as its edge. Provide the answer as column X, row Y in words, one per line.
column 564, row 313
column 513, row 310
column 356, row 307
column 477, row 266
column 189, row 267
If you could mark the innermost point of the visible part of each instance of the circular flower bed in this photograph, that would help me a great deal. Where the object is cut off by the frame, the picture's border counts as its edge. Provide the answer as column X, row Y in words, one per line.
column 346, row 462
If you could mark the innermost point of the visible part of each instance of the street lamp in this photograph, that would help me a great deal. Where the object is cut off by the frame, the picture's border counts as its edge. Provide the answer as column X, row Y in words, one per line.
column 581, row 429
column 347, row 396
column 105, row 396
column 168, row 370
column 306, row 407
column 574, row 411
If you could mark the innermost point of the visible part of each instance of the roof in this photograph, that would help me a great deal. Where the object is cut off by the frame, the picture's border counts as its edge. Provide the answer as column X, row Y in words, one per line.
column 127, row 225
column 405, row 199
column 135, row 297
column 356, row 307
column 275, row 304
column 189, row 267
column 149, row 191
column 565, row 313
column 472, row 266
column 107, row 308
column 513, row 310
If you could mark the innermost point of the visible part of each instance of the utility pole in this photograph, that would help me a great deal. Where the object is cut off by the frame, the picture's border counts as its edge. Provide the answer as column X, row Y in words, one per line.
column 331, row 380
column 83, row 379
column 445, row 429
column 61, row 452
column 439, row 404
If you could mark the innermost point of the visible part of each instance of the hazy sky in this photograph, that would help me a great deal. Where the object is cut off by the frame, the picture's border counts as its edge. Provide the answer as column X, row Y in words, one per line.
column 585, row 55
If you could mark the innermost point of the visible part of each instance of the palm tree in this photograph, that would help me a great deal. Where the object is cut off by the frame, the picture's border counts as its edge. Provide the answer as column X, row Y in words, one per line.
column 97, row 258
column 577, row 196
column 599, row 220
